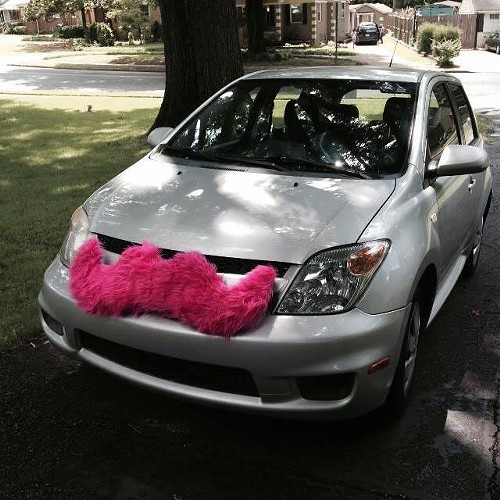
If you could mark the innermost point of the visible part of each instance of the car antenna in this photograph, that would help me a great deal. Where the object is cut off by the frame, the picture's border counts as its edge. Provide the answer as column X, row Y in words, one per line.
column 397, row 41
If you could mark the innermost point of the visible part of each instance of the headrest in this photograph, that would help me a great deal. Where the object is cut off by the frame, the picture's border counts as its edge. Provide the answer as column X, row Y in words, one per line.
column 395, row 107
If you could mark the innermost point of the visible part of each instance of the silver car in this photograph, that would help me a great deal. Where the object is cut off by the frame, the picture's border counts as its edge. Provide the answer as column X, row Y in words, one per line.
column 366, row 189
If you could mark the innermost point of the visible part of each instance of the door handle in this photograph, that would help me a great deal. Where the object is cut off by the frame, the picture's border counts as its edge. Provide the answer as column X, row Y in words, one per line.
column 472, row 182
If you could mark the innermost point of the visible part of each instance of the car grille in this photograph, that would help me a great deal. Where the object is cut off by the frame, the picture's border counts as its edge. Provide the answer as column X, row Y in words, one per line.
column 190, row 373
column 224, row 265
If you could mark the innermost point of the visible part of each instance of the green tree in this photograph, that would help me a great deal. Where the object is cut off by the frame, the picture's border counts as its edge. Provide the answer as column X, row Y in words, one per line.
column 202, row 54
column 130, row 16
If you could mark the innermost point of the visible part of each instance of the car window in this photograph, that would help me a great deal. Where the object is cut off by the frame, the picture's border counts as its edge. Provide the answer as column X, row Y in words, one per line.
column 355, row 125
column 441, row 123
column 469, row 133
column 224, row 121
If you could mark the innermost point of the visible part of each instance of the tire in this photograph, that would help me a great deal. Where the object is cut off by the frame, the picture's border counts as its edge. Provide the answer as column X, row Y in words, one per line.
column 472, row 261
column 497, row 50
column 486, row 47
column 399, row 394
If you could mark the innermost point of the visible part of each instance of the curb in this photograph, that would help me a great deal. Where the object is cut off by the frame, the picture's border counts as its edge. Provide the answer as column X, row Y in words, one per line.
column 94, row 67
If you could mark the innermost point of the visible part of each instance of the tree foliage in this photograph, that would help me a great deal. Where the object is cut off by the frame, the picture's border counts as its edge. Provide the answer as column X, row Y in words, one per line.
column 130, row 16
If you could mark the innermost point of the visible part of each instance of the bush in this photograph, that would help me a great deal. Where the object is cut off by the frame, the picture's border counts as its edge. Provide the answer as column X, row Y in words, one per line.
column 446, row 33
column 19, row 30
column 102, row 34
column 72, row 32
column 429, row 32
column 15, row 29
column 445, row 50
column 425, row 36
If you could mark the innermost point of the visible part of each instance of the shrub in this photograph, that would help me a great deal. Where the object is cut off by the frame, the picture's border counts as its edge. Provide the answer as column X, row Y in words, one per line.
column 72, row 32
column 19, row 30
column 425, row 36
column 445, row 50
column 430, row 31
column 77, row 44
column 15, row 28
column 102, row 34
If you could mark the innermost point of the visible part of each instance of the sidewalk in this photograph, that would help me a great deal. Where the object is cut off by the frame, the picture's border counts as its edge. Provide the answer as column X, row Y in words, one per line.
column 391, row 52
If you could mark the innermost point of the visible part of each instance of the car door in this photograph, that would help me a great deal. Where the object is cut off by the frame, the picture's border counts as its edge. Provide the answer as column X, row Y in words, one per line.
column 458, row 196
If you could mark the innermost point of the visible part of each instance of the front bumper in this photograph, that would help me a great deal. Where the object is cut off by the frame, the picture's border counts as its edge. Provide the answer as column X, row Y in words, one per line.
column 283, row 356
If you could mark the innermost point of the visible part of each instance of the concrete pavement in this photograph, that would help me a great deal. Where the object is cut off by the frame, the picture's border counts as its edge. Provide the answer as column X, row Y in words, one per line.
column 13, row 51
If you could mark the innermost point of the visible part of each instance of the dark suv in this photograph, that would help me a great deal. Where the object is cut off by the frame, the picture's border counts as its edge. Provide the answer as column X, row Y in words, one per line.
column 366, row 33
column 493, row 42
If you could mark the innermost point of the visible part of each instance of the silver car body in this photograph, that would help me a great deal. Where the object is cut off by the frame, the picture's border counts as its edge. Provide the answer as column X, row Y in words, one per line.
column 265, row 216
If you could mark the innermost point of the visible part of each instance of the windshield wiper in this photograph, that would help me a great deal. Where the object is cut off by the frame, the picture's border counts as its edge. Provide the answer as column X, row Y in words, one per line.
column 197, row 155
column 315, row 166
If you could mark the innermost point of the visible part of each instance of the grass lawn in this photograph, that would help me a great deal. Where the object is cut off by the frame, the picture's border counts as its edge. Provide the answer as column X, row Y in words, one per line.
column 52, row 159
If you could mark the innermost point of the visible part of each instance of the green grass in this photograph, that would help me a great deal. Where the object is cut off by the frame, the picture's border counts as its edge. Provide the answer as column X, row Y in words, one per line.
column 52, row 160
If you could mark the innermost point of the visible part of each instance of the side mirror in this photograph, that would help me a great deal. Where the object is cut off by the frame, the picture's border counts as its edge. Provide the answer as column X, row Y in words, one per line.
column 157, row 135
column 458, row 160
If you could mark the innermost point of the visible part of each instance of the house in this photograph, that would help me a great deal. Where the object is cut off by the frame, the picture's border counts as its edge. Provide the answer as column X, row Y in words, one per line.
column 487, row 14
column 369, row 12
column 445, row 8
column 10, row 11
column 312, row 21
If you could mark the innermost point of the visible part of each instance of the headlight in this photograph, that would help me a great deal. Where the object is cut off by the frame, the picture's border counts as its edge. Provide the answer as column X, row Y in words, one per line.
column 333, row 280
column 77, row 235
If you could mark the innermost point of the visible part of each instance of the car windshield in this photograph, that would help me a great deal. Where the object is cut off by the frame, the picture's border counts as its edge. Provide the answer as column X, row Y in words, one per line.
column 368, row 29
column 355, row 127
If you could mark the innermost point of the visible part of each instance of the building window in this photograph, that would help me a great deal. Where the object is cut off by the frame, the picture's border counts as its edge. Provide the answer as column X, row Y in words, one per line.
column 144, row 10
column 296, row 13
column 319, row 13
column 494, row 16
column 270, row 16
column 342, row 11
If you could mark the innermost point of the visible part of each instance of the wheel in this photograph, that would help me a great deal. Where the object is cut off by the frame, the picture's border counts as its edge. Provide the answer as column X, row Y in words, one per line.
column 399, row 394
column 473, row 259
column 486, row 47
column 497, row 50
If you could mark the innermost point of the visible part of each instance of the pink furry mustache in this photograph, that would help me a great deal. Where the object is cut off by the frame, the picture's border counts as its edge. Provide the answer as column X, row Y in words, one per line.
column 185, row 287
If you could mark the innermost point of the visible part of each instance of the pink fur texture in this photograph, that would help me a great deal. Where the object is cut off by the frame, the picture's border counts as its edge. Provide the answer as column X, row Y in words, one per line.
column 185, row 287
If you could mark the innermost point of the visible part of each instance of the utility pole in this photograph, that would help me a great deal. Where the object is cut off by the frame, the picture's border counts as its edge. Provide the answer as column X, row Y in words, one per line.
column 336, row 31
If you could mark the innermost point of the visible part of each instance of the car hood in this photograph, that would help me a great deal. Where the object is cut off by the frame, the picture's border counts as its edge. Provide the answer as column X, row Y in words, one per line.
column 235, row 213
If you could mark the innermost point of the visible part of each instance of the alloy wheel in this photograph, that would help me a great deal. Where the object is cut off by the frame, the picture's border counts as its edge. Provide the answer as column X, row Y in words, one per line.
column 414, row 327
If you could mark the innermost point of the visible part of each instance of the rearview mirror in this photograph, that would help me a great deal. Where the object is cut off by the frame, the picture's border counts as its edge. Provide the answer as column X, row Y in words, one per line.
column 157, row 135
column 457, row 160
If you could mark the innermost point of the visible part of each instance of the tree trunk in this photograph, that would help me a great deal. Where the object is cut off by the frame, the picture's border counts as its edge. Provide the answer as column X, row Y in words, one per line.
column 255, row 26
column 84, row 18
column 202, row 54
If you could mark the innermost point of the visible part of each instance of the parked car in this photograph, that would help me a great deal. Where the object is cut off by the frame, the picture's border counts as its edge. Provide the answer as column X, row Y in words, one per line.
column 366, row 33
column 366, row 190
column 493, row 43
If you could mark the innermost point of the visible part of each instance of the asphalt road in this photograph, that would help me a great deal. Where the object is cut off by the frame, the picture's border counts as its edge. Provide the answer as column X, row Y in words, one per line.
column 22, row 79
column 480, row 87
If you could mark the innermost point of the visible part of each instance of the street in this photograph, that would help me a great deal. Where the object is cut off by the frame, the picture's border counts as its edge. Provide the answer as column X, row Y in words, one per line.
column 22, row 79
column 68, row 431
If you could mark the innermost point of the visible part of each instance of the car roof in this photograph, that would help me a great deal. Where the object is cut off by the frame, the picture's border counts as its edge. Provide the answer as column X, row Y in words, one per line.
column 343, row 73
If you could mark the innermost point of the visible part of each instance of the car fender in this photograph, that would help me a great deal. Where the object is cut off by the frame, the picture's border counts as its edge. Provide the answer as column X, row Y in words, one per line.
column 408, row 220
